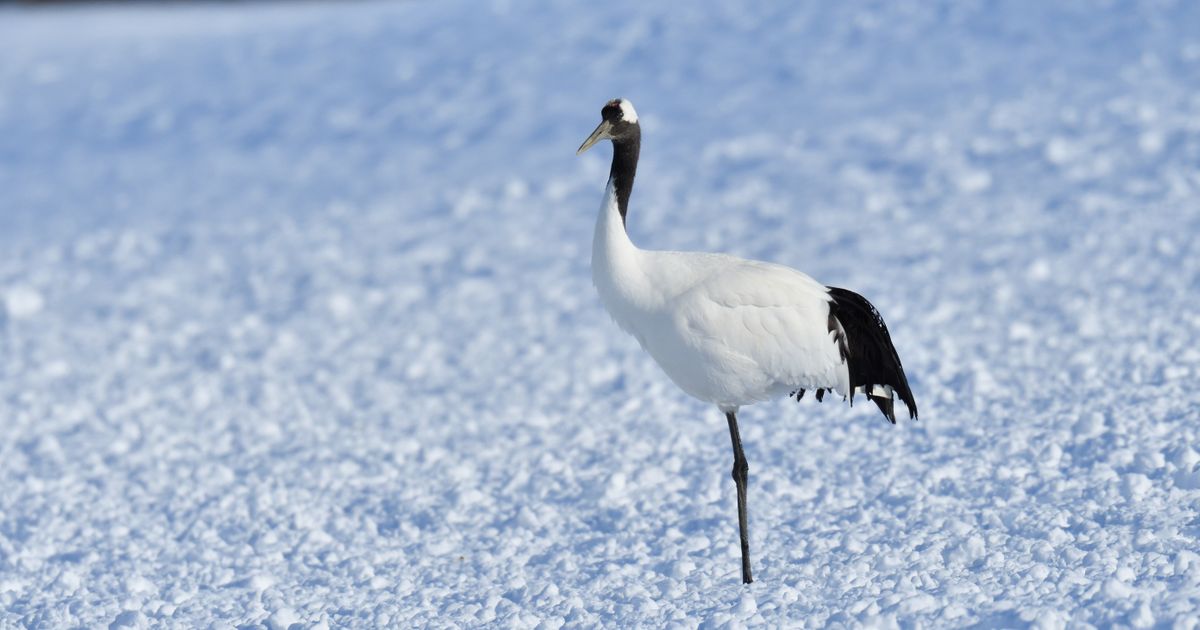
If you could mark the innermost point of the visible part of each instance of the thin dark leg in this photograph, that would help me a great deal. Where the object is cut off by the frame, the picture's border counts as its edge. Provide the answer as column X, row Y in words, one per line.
column 740, row 468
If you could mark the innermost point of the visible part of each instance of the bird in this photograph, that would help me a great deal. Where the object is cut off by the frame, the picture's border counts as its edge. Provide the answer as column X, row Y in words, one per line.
column 730, row 331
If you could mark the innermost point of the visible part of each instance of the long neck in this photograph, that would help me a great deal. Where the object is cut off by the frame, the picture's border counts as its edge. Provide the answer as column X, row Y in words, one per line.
column 624, row 169
column 617, row 268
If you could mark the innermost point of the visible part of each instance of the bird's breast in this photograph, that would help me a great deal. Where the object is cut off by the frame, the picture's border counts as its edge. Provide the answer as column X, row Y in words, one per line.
column 695, row 358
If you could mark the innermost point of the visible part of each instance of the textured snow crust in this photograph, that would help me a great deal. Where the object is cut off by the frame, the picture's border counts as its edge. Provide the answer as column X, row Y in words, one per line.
column 296, row 324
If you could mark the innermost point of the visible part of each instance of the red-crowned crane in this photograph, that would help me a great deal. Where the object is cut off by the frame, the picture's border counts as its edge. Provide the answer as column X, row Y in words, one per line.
column 730, row 331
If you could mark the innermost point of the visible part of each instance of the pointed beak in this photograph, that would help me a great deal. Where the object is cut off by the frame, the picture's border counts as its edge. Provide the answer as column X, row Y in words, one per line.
column 603, row 131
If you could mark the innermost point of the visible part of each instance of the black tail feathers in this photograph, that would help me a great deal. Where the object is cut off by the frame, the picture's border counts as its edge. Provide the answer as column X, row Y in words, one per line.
column 867, row 346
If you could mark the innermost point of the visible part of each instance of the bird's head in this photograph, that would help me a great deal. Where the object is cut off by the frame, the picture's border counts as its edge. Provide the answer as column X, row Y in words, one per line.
column 618, row 122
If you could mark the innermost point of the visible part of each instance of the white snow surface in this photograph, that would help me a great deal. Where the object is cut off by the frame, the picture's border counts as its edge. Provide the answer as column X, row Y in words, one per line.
column 296, row 321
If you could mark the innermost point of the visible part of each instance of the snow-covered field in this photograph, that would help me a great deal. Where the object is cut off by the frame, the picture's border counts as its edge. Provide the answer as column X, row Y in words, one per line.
column 296, row 323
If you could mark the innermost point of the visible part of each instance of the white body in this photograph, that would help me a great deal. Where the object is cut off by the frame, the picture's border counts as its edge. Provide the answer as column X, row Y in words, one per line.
column 726, row 330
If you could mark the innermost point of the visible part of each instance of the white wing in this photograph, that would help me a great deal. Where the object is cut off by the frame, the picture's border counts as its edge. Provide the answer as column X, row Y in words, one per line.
column 767, row 326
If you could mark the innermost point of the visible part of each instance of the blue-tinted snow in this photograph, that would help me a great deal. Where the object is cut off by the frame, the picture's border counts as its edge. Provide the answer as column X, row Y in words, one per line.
column 297, row 323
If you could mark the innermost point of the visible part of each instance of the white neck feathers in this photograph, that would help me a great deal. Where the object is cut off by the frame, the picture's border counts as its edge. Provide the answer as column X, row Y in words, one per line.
column 616, row 262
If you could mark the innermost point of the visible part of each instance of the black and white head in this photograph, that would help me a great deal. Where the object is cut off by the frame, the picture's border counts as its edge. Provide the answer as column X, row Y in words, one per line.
column 619, row 122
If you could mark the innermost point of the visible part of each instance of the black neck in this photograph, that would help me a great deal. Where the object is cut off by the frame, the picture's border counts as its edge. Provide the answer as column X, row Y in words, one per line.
column 624, row 168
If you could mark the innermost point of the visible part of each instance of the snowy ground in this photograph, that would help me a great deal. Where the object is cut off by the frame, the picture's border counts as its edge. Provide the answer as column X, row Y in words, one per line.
column 297, row 326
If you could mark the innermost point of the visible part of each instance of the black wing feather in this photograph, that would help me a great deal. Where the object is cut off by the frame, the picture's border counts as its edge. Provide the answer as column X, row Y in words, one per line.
column 872, row 357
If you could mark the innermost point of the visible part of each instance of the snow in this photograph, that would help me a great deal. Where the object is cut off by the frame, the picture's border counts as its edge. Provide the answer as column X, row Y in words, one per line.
column 22, row 302
column 296, row 324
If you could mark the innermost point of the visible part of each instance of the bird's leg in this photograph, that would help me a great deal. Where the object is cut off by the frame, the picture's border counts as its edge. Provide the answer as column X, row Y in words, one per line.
column 740, row 468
